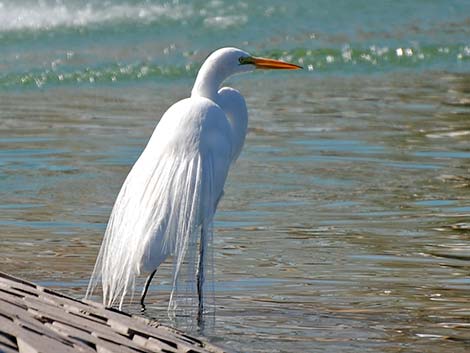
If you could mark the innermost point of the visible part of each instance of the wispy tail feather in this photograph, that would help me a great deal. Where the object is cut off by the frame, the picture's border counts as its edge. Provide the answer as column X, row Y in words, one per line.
column 159, row 203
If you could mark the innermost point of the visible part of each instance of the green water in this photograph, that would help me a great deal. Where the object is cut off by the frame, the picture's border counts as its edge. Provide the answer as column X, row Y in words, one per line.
column 67, row 43
column 345, row 224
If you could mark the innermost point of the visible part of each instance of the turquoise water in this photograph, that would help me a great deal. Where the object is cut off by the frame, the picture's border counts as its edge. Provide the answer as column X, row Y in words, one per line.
column 345, row 223
column 58, row 43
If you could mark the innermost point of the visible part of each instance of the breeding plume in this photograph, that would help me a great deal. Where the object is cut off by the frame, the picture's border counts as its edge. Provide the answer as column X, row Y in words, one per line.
column 167, row 202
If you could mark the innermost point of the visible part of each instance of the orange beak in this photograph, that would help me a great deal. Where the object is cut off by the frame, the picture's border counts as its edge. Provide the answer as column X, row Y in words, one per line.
column 263, row 63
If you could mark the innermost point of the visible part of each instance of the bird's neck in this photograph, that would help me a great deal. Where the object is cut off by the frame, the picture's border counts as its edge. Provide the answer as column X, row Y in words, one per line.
column 234, row 106
column 208, row 81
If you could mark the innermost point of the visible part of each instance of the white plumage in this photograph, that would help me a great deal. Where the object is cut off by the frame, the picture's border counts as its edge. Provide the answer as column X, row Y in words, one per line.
column 170, row 196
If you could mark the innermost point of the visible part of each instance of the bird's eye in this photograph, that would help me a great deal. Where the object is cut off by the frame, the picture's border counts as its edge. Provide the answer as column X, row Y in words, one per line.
column 243, row 60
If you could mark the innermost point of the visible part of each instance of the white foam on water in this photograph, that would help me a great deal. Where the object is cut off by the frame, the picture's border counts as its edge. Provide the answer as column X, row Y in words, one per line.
column 224, row 22
column 45, row 16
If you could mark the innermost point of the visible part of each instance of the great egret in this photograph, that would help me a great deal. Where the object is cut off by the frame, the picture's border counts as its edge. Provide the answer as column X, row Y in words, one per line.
column 171, row 193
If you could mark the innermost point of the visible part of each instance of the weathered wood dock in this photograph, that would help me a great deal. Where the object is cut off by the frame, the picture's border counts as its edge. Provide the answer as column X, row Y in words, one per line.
column 36, row 319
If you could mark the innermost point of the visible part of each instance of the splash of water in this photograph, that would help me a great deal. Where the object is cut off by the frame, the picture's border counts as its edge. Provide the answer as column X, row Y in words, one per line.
column 46, row 16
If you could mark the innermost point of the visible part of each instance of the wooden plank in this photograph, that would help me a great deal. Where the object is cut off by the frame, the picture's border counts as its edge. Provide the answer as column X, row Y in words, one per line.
column 55, row 315
column 7, row 349
column 9, row 278
column 144, row 341
column 43, row 310
column 30, row 339
column 79, row 338
column 42, row 320
column 101, row 330
column 8, row 341
column 91, row 340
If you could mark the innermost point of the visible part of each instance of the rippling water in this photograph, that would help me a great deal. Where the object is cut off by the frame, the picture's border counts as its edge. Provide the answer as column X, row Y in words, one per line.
column 57, row 43
column 345, row 224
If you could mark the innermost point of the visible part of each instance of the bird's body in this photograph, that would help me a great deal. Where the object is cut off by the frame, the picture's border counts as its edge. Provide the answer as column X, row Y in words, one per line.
column 192, row 139
column 170, row 196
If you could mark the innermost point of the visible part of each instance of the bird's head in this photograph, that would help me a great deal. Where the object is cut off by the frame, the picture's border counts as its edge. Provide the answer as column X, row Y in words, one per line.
column 226, row 62
column 229, row 61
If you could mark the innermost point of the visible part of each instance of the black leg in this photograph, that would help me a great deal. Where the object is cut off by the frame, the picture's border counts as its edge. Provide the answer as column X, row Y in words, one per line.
column 200, row 278
column 146, row 288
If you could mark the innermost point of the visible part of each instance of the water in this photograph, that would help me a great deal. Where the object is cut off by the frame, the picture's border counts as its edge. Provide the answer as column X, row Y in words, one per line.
column 345, row 224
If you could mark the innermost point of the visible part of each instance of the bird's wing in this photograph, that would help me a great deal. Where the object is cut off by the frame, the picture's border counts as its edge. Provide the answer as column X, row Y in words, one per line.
column 168, row 195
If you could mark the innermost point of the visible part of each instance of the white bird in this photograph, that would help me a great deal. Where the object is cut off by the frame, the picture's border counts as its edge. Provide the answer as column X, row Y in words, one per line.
column 171, row 194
